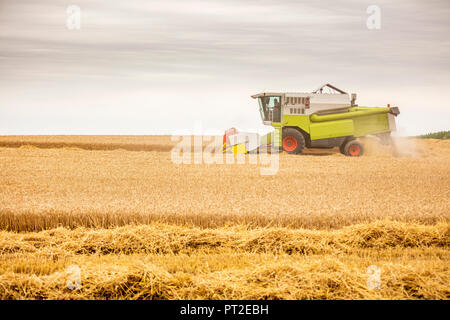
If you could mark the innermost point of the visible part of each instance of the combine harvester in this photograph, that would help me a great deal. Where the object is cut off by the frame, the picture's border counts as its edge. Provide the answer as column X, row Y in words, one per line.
column 314, row 120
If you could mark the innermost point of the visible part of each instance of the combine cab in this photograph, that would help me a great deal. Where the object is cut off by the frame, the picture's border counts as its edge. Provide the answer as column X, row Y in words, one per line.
column 325, row 118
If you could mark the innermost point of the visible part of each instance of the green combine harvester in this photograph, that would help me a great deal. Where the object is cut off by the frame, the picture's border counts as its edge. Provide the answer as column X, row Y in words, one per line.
column 326, row 118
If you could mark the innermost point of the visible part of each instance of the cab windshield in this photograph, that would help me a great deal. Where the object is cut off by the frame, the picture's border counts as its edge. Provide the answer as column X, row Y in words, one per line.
column 270, row 108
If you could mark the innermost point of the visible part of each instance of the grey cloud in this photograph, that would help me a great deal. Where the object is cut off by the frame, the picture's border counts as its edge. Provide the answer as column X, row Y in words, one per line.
column 174, row 46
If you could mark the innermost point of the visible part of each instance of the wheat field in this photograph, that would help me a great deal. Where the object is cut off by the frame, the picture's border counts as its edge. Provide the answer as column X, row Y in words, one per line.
column 139, row 226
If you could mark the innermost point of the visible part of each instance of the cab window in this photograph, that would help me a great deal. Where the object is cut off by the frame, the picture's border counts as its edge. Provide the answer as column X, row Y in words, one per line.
column 270, row 108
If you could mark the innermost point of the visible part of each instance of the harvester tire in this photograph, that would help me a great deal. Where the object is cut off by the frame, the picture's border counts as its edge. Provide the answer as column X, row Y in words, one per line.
column 293, row 141
column 342, row 146
column 353, row 149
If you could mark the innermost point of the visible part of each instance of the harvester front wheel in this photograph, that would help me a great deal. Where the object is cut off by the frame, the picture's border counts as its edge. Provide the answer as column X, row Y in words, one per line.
column 293, row 141
column 353, row 149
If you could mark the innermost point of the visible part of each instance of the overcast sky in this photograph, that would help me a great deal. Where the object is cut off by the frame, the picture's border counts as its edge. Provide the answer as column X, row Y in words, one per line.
column 146, row 67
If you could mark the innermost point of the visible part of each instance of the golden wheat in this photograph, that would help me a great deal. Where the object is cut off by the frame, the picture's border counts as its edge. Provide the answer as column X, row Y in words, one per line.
column 166, row 262
column 142, row 227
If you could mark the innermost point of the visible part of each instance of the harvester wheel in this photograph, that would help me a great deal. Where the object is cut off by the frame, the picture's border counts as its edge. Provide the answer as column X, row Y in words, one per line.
column 293, row 141
column 353, row 149
column 342, row 146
